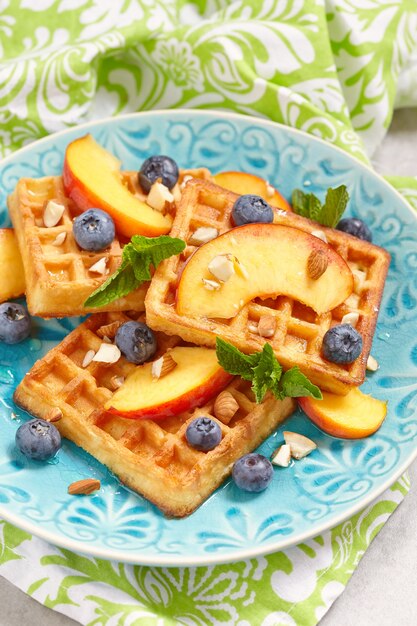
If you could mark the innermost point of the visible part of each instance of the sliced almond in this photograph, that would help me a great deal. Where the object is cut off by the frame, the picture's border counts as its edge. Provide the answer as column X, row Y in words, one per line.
column 252, row 327
column 203, row 235
column 52, row 213
column 299, row 444
column 221, row 267
column 270, row 191
column 282, row 456
column 317, row 264
column 116, row 382
column 372, row 364
column 99, row 267
column 107, row 353
column 225, row 407
column 84, row 487
column 59, row 239
column 267, row 326
column 185, row 180
column 54, row 415
column 320, row 235
column 211, row 285
column 109, row 330
column 89, row 355
column 359, row 277
column 163, row 366
column 351, row 318
column 158, row 196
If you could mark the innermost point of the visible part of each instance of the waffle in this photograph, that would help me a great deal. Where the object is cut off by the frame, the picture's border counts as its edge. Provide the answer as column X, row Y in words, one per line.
column 299, row 330
column 58, row 280
column 153, row 458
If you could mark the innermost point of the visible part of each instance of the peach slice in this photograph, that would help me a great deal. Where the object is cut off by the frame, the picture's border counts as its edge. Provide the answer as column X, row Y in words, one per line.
column 352, row 416
column 197, row 377
column 243, row 183
column 92, row 178
column 12, row 284
column 269, row 260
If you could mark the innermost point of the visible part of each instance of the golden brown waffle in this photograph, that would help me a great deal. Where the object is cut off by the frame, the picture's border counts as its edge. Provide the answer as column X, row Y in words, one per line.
column 299, row 330
column 58, row 280
column 153, row 458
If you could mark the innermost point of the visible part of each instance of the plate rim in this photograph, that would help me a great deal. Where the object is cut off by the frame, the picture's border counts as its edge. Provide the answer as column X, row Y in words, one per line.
column 165, row 560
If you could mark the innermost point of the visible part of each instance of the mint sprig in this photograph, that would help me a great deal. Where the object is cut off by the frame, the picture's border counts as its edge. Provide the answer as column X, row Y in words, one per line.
column 265, row 372
column 138, row 257
column 327, row 214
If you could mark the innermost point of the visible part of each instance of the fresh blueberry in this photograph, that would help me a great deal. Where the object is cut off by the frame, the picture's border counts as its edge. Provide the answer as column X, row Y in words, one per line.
column 155, row 167
column 93, row 230
column 354, row 226
column 38, row 440
column 252, row 472
column 342, row 344
column 250, row 209
column 203, row 433
column 14, row 322
column 136, row 341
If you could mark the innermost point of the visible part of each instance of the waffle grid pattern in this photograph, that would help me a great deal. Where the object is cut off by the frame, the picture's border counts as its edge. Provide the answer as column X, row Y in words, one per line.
column 299, row 330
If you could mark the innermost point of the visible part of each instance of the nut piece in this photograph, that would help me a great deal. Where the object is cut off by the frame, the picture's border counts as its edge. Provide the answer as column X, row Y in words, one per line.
column 107, row 353
column 158, row 196
column 52, row 213
column 300, row 446
column 54, row 415
column 109, row 330
column 372, row 364
column 185, row 180
column 211, row 285
column 84, row 487
column 317, row 264
column 89, row 355
column 59, row 239
column 163, row 366
column 225, row 407
column 282, row 456
column 320, row 235
column 267, row 326
column 100, row 267
column 351, row 318
column 359, row 277
column 252, row 327
column 221, row 267
column 116, row 382
column 203, row 235
column 270, row 191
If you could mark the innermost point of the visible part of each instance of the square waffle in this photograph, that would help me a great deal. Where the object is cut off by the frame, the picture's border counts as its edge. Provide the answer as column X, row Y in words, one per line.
column 299, row 330
column 151, row 457
column 58, row 280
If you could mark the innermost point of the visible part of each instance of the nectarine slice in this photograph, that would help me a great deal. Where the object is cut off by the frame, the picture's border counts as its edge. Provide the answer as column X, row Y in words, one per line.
column 92, row 178
column 271, row 261
column 352, row 416
column 244, row 183
column 197, row 377
column 12, row 284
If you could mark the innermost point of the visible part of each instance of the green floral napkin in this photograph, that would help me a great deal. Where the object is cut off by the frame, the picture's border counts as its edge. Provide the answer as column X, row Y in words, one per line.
column 333, row 69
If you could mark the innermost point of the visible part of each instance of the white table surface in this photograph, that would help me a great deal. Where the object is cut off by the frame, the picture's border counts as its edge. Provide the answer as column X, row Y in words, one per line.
column 382, row 590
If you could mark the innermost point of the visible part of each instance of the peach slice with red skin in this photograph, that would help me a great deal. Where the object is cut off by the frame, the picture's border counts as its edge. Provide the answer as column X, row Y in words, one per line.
column 271, row 261
column 92, row 178
column 353, row 416
column 12, row 283
column 244, row 183
column 196, row 378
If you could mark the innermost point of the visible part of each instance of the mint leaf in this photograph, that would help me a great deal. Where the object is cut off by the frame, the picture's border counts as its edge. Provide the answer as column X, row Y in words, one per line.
column 329, row 213
column 234, row 361
column 334, row 206
column 295, row 384
column 138, row 257
column 266, row 374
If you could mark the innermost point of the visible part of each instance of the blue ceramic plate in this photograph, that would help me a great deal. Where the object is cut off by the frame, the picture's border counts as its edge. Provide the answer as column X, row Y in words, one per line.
column 314, row 494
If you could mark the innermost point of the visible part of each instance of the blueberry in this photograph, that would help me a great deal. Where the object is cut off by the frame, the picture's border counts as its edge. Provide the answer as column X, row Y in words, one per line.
column 252, row 472
column 155, row 167
column 342, row 344
column 203, row 433
column 136, row 341
column 354, row 226
column 14, row 322
column 250, row 209
column 38, row 440
column 93, row 230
